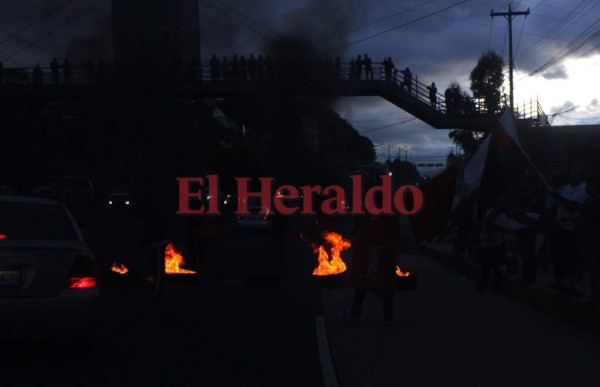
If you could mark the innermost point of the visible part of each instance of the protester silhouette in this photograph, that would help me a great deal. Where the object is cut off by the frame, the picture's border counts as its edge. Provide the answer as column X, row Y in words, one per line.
column 235, row 68
column 243, row 68
column 37, row 74
column 368, row 67
column 407, row 80
column 338, row 66
column 388, row 67
column 1, row 73
column 564, row 241
column 375, row 247
column 226, row 69
column 588, row 228
column 260, row 68
column 491, row 250
column 54, row 68
column 67, row 74
column 432, row 94
column 252, row 67
column 358, row 67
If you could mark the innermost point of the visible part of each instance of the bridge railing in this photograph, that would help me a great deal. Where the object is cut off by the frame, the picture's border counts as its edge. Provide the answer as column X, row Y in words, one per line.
column 31, row 76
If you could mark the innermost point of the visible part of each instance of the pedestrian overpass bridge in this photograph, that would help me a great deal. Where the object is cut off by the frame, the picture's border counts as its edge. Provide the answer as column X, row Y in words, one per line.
column 29, row 83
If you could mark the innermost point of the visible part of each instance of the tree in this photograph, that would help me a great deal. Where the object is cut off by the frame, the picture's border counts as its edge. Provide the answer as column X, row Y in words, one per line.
column 462, row 103
column 487, row 79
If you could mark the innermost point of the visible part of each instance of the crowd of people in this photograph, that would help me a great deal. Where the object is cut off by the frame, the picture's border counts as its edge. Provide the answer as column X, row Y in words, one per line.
column 555, row 226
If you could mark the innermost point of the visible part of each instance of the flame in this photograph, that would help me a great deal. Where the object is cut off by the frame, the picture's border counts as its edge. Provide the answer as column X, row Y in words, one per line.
column 399, row 272
column 335, row 264
column 173, row 259
column 119, row 268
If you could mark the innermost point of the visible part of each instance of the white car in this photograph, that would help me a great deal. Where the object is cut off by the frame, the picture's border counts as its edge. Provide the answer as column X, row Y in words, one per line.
column 47, row 271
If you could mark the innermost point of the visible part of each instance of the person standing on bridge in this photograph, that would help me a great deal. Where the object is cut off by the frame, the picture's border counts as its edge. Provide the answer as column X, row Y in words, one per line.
column 407, row 79
column 235, row 68
column 226, row 70
column 358, row 64
column 252, row 67
column 352, row 69
column 432, row 94
column 37, row 74
column 368, row 68
column 243, row 68
column 388, row 67
column 67, row 71
column 260, row 68
column 269, row 68
column 1, row 73
column 338, row 66
column 54, row 67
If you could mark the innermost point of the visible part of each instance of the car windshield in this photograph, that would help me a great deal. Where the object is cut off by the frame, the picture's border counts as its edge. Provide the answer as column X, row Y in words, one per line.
column 35, row 221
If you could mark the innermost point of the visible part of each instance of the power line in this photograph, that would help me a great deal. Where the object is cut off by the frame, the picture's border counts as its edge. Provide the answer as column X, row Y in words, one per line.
column 236, row 20
column 248, row 18
column 388, row 126
column 37, row 21
column 397, row 27
column 87, row 10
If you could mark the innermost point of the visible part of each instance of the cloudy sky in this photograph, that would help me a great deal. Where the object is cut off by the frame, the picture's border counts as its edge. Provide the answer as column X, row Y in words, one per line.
column 557, row 48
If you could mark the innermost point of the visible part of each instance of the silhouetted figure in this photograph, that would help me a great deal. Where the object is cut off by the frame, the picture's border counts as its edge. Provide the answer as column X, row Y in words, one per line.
column 407, row 79
column 54, row 68
column 215, row 68
column 260, row 68
column 588, row 228
column 100, row 72
column 491, row 251
column 1, row 73
column 252, row 67
column 432, row 94
column 67, row 74
column 89, row 69
column 235, row 68
column 243, row 68
column 37, row 74
column 338, row 66
column 564, row 241
column 448, row 100
column 226, row 69
column 352, row 69
column 375, row 247
column 388, row 67
column 368, row 67
column 193, row 69
column 358, row 67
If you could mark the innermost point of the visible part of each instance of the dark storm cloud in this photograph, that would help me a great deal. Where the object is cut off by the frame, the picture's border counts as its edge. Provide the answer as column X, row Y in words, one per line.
column 558, row 73
column 57, row 28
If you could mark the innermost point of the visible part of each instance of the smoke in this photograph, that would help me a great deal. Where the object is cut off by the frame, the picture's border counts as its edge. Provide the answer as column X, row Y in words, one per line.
column 97, row 45
column 260, row 23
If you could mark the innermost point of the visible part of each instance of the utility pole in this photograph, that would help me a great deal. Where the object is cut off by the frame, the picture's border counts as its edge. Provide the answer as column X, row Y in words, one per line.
column 509, row 16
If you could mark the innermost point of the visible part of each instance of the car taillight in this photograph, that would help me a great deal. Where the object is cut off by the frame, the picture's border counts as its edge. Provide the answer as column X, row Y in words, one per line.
column 82, row 274
column 3, row 236
column 81, row 283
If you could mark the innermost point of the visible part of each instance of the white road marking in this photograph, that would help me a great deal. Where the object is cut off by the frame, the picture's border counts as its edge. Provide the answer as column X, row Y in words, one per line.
column 329, row 376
